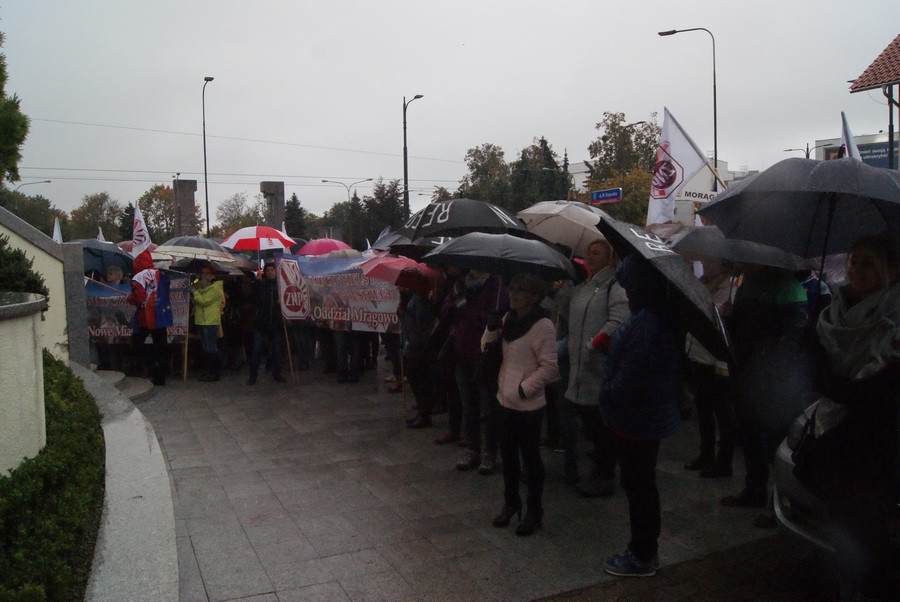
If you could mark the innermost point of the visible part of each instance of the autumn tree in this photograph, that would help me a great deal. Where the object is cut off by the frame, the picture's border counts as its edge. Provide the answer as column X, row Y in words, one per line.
column 96, row 210
column 237, row 211
column 635, row 185
column 36, row 210
column 13, row 127
column 622, row 146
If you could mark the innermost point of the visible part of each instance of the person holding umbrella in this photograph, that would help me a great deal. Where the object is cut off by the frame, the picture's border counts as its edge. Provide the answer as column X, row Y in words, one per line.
column 266, row 325
column 639, row 405
column 209, row 300
column 528, row 343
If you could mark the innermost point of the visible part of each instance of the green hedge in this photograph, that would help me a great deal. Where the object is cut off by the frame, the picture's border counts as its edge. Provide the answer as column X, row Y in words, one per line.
column 50, row 505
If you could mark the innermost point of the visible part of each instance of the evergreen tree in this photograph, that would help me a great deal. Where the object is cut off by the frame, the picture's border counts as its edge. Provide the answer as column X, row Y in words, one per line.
column 126, row 223
column 13, row 127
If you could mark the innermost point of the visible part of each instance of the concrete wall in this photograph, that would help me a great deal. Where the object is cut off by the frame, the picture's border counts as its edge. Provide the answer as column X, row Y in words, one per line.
column 64, row 330
column 274, row 195
column 22, row 420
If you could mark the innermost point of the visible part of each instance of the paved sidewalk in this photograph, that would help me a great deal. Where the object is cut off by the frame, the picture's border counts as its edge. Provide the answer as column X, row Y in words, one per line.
column 318, row 491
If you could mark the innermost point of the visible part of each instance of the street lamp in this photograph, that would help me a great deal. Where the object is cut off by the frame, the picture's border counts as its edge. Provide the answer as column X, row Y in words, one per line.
column 348, row 186
column 672, row 32
column 625, row 128
column 406, row 160
column 206, row 80
column 16, row 201
column 807, row 149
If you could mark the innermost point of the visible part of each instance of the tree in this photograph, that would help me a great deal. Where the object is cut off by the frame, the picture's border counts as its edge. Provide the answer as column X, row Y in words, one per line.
column 297, row 220
column 384, row 208
column 36, row 210
column 635, row 186
column 126, row 223
column 237, row 211
column 158, row 208
column 488, row 177
column 535, row 176
column 441, row 194
column 13, row 127
column 96, row 210
column 621, row 148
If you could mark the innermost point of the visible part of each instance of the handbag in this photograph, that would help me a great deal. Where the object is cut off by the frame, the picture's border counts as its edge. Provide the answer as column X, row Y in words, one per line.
column 487, row 371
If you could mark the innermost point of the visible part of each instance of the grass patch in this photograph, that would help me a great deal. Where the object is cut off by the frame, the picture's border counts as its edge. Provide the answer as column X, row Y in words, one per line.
column 50, row 505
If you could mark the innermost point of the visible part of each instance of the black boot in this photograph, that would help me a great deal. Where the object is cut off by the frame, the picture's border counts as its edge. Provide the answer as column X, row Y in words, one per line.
column 212, row 368
column 531, row 523
column 506, row 514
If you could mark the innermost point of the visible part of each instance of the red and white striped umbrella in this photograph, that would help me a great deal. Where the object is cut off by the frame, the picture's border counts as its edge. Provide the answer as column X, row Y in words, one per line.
column 258, row 238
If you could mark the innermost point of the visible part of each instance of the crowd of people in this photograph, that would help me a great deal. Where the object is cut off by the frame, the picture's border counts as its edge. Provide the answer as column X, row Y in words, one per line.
column 526, row 364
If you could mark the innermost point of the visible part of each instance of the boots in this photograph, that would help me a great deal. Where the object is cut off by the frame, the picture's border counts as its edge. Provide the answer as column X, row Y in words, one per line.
column 506, row 514
column 532, row 521
column 212, row 368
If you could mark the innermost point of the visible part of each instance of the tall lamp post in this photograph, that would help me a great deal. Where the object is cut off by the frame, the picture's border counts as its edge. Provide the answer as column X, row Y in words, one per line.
column 348, row 186
column 406, row 160
column 206, row 80
column 806, row 150
column 672, row 32
column 16, row 204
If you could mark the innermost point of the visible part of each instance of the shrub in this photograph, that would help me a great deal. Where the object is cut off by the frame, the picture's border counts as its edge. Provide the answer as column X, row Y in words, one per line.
column 16, row 274
column 51, row 504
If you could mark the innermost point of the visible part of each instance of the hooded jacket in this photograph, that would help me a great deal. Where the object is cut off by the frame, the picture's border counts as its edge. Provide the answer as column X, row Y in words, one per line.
column 638, row 392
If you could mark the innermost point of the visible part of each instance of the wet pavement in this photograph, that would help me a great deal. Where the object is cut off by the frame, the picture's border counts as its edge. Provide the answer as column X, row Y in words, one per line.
column 316, row 490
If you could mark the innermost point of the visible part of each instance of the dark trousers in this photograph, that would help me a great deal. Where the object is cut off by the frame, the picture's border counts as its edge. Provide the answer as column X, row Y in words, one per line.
column 448, row 392
column 520, row 435
column 421, row 377
column 554, row 393
column 476, row 402
column 156, row 355
column 349, row 350
column 637, row 460
column 713, row 399
column 327, row 348
column 391, row 342
column 605, row 448
column 759, row 446
column 272, row 341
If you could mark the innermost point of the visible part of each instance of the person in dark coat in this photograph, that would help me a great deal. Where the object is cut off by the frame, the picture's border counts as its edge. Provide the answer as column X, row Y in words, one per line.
column 639, row 404
column 267, row 329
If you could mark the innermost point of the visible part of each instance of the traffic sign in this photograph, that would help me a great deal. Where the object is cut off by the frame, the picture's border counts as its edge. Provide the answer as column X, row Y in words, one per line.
column 600, row 197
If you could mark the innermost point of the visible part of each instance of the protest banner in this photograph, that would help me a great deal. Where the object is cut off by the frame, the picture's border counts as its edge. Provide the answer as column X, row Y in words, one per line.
column 110, row 318
column 332, row 293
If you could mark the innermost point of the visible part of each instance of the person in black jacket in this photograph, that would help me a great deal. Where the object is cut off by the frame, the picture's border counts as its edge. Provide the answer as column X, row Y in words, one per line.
column 266, row 325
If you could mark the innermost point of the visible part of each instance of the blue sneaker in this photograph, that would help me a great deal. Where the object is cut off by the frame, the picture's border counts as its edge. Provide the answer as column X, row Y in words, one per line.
column 626, row 565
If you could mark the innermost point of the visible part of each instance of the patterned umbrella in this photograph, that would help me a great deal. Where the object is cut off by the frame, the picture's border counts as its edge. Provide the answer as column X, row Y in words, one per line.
column 321, row 246
column 258, row 238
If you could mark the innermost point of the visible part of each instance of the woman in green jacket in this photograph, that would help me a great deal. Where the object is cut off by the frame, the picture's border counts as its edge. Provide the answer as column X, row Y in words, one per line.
column 209, row 298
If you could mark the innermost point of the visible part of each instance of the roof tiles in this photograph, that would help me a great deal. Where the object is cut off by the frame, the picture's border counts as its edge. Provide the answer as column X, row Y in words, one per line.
column 884, row 70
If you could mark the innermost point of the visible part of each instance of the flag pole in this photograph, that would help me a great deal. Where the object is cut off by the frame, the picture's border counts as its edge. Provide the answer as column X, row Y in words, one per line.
column 124, row 294
column 287, row 343
column 716, row 174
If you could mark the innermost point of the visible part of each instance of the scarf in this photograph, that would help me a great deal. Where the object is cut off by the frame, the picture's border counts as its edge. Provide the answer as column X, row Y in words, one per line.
column 517, row 326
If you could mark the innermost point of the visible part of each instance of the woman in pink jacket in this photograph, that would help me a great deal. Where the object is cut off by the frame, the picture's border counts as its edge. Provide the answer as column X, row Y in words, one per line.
column 529, row 363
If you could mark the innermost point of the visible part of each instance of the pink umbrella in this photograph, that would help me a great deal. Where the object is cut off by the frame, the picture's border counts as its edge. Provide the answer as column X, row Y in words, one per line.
column 402, row 272
column 258, row 238
column 321, row 246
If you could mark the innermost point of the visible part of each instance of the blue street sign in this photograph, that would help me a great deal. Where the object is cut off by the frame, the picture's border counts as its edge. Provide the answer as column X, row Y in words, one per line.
column 599, row 197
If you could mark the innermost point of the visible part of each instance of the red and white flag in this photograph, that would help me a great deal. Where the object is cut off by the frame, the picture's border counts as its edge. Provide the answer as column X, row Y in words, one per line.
column 140, row 237
column 848, row 144
column 678, row 159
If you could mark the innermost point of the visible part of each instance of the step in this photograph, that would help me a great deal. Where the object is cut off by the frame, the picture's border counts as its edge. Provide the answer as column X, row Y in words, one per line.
column 137, row 389
column 112, row 377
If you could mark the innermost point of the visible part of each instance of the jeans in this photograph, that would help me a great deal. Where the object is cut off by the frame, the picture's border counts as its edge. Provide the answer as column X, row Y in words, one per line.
column 637, row 460
column 714, row 405
column 208, row 335
column 273, row 339
column 475, row 402
column 520, row 433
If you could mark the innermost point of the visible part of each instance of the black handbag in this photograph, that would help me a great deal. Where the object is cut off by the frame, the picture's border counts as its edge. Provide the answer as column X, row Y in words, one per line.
column 487, row 371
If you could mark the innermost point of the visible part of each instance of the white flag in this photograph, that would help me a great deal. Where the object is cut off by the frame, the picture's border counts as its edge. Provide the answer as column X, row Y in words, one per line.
column 678, row 159
column 100, row 234
column 848, row 144
column 57, row 233
column 140, row 238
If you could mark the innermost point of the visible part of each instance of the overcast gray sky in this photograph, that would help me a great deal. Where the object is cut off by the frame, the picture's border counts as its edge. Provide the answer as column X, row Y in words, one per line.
column 311, row 90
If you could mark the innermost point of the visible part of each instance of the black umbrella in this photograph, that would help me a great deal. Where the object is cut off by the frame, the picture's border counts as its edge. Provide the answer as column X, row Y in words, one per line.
column 687, row 293
column 197, row 242
column 456, row 217
column 418, row 248
column 384, row 243
column 99, row 255
column 502, row 254
column 193, row 266
column 809, row 208
column 708, row 241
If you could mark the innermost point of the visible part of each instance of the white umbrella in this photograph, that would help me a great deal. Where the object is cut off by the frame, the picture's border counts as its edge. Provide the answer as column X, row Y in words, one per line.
column 572, row 224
